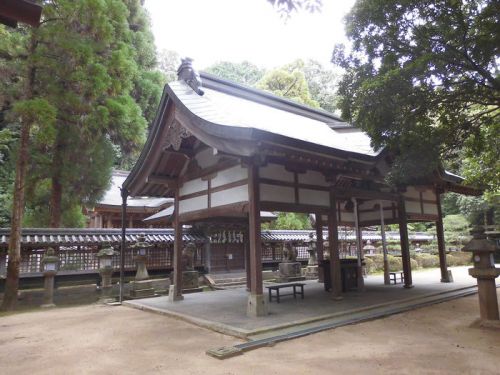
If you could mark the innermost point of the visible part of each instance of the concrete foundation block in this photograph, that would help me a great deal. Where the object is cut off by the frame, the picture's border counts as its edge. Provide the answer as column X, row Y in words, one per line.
column 257, row 305
column 449, row 278
column 172, row 297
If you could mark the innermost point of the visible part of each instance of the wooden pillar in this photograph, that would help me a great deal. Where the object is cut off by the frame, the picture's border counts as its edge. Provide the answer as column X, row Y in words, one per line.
column 445, row 274
column 359, row 245
column 387, row 280
column 257, row 303
column 319, row 245
column 130, row 221
column 247, row 258
column 333, row 239
column 175, row 291
column 405, row 246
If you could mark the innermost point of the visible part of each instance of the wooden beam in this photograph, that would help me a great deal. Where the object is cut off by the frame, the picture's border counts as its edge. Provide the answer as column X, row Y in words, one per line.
column 291, row 207
column 319, row 244
column 359, row 244
column 445, row 278
column 333, row 239
column 177, row 289
column 254, row 231
column 405, row 246
column 162, row 180
column 366, row 194
column 22, row 11
column 188, row 153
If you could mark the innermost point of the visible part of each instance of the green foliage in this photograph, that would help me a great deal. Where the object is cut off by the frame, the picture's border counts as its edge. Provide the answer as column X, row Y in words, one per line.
column 427, row 260
column 291, row 85
column 168, row 63
column 244, row 72
column 289, row 220
column 94, row 68
column 456, row 229
column 322, row 82
column 422, row 79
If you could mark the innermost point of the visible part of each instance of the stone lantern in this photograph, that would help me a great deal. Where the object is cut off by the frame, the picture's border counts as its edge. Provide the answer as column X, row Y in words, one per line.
column 312, row 264
column 142, row 286
column 105, row 256
column 485, row 272
column 50, row 263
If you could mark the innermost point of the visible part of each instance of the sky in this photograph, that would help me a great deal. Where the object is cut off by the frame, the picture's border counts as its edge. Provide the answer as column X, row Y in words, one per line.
column 236, row 30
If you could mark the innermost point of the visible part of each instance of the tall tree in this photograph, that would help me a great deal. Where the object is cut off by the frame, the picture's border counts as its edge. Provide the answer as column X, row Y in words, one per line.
column 168, row 63
column 423, row 78
column 244, row 72
column 291, row 85
column 86, row 69
column 322, row 82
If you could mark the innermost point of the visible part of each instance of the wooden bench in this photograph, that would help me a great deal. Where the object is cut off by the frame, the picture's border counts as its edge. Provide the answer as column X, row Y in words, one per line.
column 393, row 277
column 283, row 286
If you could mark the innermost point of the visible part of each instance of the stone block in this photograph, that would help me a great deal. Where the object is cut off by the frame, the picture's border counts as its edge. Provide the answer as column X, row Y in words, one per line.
column 190, row 280
column 141, row 289
column 289, row 269
column 257, row 305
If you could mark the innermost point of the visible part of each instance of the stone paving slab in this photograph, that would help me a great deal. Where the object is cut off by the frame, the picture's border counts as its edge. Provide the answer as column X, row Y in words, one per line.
column 225, row 310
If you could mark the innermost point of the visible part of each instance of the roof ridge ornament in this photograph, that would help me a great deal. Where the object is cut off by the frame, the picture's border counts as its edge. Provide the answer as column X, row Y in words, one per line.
column 187, row 73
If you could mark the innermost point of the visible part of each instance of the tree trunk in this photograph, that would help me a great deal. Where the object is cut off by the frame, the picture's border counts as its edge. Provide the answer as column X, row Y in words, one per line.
column 12, row 281
column 55, row 201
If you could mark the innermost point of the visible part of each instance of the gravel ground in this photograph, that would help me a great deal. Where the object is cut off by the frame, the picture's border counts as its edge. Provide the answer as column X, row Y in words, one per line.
column 109, row 340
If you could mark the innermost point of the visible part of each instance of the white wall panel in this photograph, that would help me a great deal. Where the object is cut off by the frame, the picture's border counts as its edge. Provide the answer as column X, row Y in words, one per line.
column 193, row 204
column 413, row 207
column 193, row 186
column 233, row 195
column 276, row 172
column 430, row 209
column 315, row 197
column 227, row 176
column 274, row 193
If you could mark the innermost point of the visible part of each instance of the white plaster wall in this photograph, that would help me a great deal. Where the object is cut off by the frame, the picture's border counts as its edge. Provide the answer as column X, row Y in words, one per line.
column 276, row 172
column 429, row 195
column 273, row 193
column 430, row 209
column 313, row 178
column 206, row 158
column 193, row 186
column 233, row 195
column 193, row 204
column 227, row 176
column 411, row 192
column 413, row 207
column 315, row 197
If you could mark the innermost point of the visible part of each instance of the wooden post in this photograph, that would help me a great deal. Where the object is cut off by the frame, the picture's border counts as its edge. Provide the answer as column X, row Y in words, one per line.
column 333, row 239
column 359, row 244
column 319, row 246
column 246, row 249
column 175, row 291
column 405, row 246
column 387, row 280
column 257, row 305
column 124, row 194
column 445, row 274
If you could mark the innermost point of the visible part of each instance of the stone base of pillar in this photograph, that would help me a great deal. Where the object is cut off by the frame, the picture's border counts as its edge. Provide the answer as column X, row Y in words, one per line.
column 408, row 286
column 172, row 297
column 488, row 324
column 141, row 289
column 257, row 305
column 361, row 280
column 449, row 277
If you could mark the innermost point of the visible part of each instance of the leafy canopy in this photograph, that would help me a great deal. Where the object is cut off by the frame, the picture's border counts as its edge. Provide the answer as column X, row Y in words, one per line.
column 423, row 78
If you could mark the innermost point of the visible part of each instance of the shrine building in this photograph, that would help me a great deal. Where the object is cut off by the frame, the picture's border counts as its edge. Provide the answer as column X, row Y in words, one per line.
column 225, row 152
